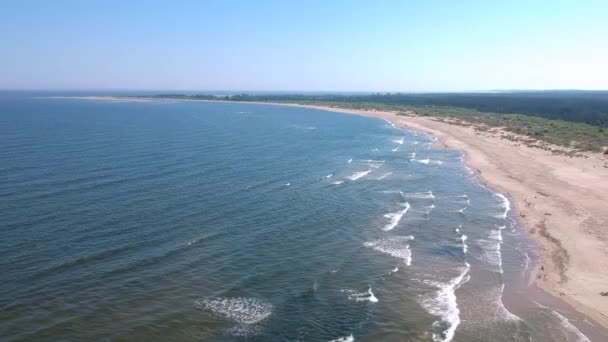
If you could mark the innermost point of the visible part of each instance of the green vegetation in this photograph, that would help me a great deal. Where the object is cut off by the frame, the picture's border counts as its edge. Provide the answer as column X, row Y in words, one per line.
column 539, row 121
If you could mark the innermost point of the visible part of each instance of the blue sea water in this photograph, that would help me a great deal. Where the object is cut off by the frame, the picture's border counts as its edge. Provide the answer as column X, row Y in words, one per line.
column 166, row 220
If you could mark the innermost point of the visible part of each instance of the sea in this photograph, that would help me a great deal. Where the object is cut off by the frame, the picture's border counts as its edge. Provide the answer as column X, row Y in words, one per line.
column 166, row 220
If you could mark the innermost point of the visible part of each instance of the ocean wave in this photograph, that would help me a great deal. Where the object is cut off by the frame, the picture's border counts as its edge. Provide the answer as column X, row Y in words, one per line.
column 491, row 249
column 359, row 174
column 395, row 149
column 395, row 217
column 337, row 182
column 428, row 161
column 328, row 176
column 389, row 122
column 348, row 338
column 399, row 141
column 566, row 324
column 396, row 246
column 506, row 204
column 361, row 296
column 420, row 195
column 238, row 309
column 443, row 304
column 384, row 176
column 463, row 239
column 349, row 161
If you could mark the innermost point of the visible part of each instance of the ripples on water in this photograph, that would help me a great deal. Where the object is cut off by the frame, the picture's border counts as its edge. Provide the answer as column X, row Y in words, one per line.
column 203, row 221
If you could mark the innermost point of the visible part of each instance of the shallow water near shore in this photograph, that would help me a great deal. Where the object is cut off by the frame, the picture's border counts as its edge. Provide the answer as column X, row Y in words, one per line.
column 168, row 220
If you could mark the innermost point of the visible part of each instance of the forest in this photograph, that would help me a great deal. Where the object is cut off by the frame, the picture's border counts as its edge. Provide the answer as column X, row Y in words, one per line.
column 590, row 107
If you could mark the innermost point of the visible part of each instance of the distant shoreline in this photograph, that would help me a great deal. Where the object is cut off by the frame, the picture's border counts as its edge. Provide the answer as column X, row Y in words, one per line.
column 561, row 200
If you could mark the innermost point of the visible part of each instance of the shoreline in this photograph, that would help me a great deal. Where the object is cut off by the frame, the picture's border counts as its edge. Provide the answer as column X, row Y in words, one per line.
column 573, row 262
column 560, row 201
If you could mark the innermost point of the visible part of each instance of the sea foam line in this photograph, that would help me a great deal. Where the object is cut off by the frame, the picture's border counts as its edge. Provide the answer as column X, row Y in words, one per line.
column 463, row 239
column 240, row 310
column 384, row 176
column 395, row 217
column 492, row 249
column 389, row 122
column 420, row 195
column 566, row 324
column 427, row 161
column 397, row 247
column 349, row 338
column 506, row 204
column 444, row 305
column 358, row 175
column 363, row 296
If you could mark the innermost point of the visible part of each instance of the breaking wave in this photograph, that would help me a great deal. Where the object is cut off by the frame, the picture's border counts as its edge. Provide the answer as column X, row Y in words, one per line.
column 358, row 175
column 396, row 217
column 396, row 246
column 349, row 338
column 420, row 195
column 384, row 176
column 506, row 204
column 239, row 310
column 361, row 296
column 428, row 161
column 443, row 303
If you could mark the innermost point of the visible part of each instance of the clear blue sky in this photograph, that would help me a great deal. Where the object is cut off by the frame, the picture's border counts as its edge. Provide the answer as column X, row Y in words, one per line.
column 304, row 45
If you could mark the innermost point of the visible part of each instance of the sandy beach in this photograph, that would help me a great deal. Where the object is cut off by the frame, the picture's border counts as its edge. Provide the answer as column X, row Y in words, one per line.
column 561, row 200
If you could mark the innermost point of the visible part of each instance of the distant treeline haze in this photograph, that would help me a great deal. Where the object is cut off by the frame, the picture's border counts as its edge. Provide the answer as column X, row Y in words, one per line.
column 589, row 107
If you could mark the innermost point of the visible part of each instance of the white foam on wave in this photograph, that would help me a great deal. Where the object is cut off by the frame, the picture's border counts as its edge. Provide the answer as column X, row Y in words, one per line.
column 491, row 248
column 396, row 246
column 374, row 149
column 463, row 239
column 420, row 195
column 287, row 184
column 465, row 247
column 428, row 161
column 361, row 296
column 359, row 174
column 395, row 217
column 400, row 141
column 506, row 204
column 396, row 269
column 384, row 176
column 395, row 149
column 238, row 309
column 349, row 338
column 337, row 182
column 389, row 122
column 565, row 323
column 413, row 156
column 328, row 176
column 443, row 304
column 349, row 161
